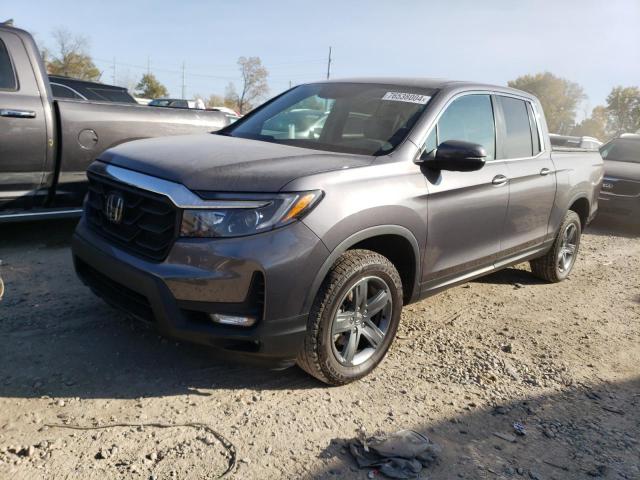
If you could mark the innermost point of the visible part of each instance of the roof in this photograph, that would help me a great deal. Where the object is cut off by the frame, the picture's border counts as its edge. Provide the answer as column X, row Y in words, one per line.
column 429, row 83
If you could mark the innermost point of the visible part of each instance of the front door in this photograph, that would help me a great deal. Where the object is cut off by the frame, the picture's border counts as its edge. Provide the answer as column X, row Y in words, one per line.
column 23, row 134
column 466, row 209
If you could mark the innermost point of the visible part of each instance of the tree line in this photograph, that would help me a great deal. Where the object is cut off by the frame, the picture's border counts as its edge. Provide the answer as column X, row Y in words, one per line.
column 560, row 97
column 70, row 57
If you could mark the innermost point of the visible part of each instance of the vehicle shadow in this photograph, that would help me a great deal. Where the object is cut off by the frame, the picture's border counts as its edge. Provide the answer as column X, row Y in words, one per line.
column 60, row 340
column 510, row 276
column 582, row 432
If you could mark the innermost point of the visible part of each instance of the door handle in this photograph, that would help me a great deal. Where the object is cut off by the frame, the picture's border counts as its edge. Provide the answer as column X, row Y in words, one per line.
column 8, row 112
column 499, row 180
column 545, row 171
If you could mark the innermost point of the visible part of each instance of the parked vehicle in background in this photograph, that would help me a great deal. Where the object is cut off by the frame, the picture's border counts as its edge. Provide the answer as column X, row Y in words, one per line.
column 288, row 248
column 620, row 194
column 228, row 110
column 47, row 142
column 173, row 103
column 568, row 141
column 231, row 114
column 65, row 87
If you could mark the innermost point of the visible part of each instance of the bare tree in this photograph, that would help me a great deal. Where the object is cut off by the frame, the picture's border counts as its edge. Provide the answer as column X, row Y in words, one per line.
column 254, row 85
column 70, row 57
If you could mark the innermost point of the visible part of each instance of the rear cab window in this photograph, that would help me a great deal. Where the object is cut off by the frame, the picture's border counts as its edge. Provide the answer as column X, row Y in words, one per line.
column 517, row 140
column 8, row 79
column 62, row 91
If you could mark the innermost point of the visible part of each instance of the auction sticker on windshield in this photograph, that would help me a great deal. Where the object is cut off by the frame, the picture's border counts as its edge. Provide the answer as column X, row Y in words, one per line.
column 406, row 97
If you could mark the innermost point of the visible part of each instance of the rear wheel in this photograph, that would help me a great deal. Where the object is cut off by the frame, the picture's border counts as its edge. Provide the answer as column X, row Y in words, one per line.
column 557, row 264
column 354, row 318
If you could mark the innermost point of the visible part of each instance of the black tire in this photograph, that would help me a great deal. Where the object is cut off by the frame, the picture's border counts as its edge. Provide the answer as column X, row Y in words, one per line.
column 319, row 356
column 549, row 266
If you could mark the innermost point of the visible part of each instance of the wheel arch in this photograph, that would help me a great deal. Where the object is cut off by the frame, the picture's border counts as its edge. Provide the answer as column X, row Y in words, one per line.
column 382, row 239
column 582, row 207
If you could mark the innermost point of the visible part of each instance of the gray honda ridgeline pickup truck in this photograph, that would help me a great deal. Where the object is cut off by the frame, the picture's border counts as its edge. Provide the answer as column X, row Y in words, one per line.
column 296, row 234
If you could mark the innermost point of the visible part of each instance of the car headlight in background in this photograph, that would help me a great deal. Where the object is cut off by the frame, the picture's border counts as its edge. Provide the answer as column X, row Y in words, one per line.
column 260, row 215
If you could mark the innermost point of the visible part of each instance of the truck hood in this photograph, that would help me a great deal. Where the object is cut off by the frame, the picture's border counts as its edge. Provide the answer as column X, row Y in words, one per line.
column 226, row 164
column 622, row 170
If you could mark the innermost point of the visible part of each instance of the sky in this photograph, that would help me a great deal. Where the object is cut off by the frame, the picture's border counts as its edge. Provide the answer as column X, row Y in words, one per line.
column 595, row 43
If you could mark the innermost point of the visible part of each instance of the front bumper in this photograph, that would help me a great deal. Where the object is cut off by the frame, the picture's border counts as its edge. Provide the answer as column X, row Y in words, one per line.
column 266, row 275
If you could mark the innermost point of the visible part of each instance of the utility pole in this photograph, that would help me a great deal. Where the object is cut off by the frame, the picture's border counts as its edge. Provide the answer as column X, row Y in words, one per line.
column 289, row 84
column 114, row 70
column 148, row 64
column 329, row 65
column 183, row 84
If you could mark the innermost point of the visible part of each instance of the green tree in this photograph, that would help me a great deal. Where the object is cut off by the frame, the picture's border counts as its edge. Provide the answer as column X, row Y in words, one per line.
column 594, row 126
column 623, row 109
column 70, row 57
column 560, row 98
column 150, row 87
column 254, row 85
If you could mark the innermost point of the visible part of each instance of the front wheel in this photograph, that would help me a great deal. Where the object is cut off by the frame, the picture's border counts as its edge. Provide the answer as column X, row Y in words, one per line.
column 558, row 262
column 354, row 318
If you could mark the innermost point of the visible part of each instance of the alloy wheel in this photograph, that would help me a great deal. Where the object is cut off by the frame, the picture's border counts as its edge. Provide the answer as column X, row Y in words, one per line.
column 567, row 252
column 362, row 320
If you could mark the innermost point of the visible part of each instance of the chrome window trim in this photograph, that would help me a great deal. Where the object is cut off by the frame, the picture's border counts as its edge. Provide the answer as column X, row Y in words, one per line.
column 179, row 195
column 543, row 144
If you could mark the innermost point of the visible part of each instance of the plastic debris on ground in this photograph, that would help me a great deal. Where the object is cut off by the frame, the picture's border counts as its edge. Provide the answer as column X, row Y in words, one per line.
column 519, row 429
column 402, row 454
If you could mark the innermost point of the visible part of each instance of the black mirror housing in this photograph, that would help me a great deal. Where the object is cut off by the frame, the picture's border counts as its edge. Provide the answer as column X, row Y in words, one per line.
column 457, row 156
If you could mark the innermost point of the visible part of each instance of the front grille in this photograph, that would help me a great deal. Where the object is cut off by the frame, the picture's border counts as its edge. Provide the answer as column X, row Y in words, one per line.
column 628, row 188
column 148, row 226
column 115, row 293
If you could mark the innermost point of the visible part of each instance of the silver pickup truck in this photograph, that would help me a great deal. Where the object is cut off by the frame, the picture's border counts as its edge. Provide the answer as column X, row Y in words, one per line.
column 298, row 233
column 47, row 143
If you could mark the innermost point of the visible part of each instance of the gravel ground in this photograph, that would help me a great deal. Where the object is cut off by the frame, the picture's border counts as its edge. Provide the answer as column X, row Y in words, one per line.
column 564, row 360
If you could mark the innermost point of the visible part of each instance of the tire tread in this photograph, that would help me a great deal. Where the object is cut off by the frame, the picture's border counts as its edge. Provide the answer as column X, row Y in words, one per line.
column 348, row 264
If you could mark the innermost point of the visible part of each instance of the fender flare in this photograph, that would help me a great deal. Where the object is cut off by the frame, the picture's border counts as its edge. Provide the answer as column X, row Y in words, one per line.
column 358, row 237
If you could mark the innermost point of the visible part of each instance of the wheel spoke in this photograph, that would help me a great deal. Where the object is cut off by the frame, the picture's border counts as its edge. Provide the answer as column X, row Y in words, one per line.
column 352, row 346
column 372, row 333
column 377, row 303
column 342, row 322
column 360, row 294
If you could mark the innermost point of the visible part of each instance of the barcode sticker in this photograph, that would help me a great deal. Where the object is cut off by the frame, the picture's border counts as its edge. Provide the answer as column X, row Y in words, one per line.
column 406, row 97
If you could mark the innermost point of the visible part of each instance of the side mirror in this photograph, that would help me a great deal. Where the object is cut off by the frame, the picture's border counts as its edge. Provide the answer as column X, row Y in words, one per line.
column 455, row 155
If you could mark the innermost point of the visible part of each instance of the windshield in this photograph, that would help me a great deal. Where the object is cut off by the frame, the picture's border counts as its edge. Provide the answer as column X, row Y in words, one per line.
column 366, row 119
column 622, row 150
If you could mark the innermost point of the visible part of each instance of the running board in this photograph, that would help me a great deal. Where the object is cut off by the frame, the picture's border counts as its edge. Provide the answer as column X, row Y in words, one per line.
column 40, row 215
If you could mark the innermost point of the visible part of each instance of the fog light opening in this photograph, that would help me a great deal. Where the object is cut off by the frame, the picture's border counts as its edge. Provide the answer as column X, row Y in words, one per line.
column 232, row 320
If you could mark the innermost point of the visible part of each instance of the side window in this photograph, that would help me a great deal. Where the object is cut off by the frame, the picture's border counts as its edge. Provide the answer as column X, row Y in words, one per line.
column 7, row 76
column 62, row 91
column 517, row 141
column 469, row 118
column 535, row 137
column 432, row 142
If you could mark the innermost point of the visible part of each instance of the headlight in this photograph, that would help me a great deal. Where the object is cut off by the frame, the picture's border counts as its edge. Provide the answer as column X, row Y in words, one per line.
column 231, row 219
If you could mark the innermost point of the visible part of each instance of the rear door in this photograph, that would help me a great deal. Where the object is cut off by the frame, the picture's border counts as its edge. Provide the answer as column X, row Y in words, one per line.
column 532, row 177
column 23, row 131
column 466, row 209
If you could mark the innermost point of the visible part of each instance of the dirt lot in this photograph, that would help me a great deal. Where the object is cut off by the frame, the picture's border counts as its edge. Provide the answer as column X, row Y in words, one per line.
column 564, row 360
